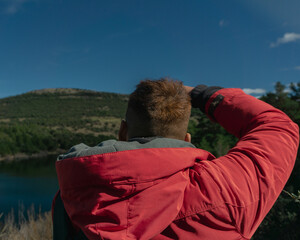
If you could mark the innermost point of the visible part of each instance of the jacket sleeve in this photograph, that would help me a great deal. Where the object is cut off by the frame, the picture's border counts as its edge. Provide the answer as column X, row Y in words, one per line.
column 252, row 174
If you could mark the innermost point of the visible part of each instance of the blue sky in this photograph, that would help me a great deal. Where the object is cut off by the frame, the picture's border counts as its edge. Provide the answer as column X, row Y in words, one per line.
column 111, row 45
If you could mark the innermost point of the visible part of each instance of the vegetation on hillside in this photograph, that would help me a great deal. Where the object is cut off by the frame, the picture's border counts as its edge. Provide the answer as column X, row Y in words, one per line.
column 48, row 120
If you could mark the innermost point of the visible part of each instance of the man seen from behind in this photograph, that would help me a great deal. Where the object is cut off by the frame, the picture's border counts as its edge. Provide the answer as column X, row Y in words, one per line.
column 154, row 184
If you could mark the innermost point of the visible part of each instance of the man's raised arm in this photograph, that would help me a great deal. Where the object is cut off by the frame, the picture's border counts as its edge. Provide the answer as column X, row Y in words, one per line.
column 250, row 177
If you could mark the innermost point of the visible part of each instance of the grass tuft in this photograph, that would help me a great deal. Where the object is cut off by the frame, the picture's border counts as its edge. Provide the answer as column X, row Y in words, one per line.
column 30, row 226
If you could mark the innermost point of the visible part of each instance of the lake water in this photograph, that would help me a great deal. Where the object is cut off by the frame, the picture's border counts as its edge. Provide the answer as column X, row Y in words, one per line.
column 16, row 190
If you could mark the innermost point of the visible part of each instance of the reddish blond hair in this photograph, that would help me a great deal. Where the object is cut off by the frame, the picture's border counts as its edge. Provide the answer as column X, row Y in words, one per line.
column 158, row 108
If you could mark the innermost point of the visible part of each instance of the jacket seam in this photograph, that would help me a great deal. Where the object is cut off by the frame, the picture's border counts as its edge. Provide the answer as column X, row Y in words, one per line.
column 236, row 206
column 217, row 206
column 122, row 183
column 197, row 211
column 128, row 212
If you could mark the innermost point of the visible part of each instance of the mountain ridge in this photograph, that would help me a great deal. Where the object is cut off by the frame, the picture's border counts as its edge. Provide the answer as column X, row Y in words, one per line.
column 59, row 90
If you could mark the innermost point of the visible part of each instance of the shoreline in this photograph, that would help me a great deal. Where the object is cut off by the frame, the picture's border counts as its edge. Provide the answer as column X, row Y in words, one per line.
column 26, row 156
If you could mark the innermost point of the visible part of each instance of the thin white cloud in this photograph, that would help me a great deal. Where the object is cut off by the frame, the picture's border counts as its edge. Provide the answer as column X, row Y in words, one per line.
column 254, row 91
column 287, row 38
column 223, row 23
column 297, row 68
column 287, row 90
column 13, row 6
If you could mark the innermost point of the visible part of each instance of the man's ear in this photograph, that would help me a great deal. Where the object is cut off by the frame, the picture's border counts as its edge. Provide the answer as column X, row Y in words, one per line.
column 188, row 137
column 123, row 131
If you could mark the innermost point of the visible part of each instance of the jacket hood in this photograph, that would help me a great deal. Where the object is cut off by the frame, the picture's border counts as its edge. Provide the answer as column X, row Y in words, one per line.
column 128, row 194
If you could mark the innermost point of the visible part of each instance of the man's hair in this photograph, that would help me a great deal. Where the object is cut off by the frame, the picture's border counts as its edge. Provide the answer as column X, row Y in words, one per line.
column 158, row 108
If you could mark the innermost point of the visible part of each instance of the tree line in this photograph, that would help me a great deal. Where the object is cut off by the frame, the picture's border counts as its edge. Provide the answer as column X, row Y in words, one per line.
column 32, row 138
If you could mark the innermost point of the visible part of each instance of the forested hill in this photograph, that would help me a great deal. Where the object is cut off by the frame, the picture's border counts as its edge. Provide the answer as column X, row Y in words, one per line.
column 49, row 119
column 58, row 104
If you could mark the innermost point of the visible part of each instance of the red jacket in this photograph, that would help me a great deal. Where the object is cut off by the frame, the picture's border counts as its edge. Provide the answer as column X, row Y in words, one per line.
column 180, row 192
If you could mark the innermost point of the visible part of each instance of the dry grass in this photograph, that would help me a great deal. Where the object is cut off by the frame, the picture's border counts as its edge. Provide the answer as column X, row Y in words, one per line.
column 33, row 226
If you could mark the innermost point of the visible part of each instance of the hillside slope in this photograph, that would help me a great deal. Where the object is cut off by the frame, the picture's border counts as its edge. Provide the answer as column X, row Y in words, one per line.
column 72, row 108
column 56, row 118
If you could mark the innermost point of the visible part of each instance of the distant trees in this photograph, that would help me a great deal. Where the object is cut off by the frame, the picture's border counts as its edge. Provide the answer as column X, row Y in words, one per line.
column 210, row 136
column 286, row 100
column 32, row 138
